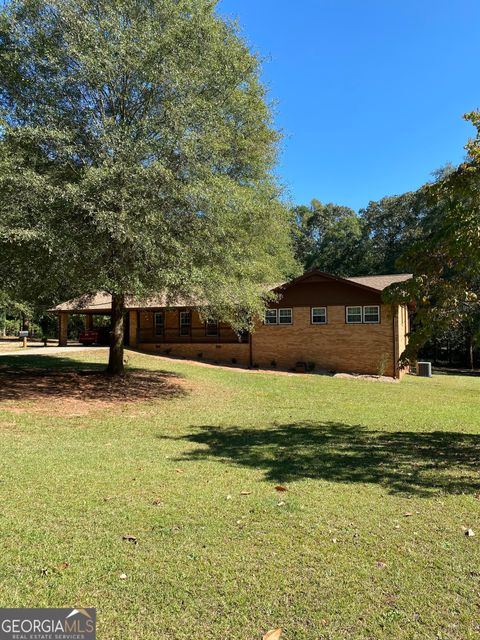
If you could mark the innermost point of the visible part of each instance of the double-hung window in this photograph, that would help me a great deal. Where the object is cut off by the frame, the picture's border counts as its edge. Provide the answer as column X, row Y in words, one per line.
column 159, row 323
column 271, row 316
column 278, row 316
column 319, row 315
column 369, row 314
column 284, row 316
column 185, row 323
column 354, row 315
column 212, row 327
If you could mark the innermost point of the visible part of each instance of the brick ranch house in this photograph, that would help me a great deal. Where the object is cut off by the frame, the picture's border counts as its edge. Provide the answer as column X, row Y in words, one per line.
column 322, row 320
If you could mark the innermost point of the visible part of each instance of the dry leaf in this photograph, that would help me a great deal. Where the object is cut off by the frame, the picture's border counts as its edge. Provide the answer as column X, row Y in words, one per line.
column 381, row 565
column 280, row 487
column 123, row 576
column 274, row 634
column 469, row 533
column 178, row 470
column 280, row 504
column 129, row 538
column 62, row 566
column 245, row 493
column 157, row 502
column 408, row 514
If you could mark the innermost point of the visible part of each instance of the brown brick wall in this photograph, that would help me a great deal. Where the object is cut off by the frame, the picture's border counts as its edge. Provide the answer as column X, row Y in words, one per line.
column 221, row 353
column 360, row 348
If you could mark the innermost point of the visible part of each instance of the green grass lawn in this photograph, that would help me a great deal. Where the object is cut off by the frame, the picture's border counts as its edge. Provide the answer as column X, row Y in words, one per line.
column 367, row 543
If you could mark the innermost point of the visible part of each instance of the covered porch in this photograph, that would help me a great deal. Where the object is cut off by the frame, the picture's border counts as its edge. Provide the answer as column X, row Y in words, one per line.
column 179, row 325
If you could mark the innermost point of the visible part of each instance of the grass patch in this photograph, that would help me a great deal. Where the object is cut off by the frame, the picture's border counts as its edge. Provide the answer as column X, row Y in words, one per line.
column 368, row 541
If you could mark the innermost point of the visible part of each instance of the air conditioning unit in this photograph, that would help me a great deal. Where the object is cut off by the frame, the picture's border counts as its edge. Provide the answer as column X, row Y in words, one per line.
column 424, row 369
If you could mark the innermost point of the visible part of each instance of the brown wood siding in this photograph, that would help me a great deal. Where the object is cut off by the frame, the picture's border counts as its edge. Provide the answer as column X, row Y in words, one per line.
column 326, row 293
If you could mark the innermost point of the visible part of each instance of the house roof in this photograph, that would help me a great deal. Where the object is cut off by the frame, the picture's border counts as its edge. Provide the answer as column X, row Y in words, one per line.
column 372, row 283
column 381, row 282
column 101, row 302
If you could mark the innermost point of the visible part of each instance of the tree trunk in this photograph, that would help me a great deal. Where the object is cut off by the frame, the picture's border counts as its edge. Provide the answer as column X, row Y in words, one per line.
column 3, row 323
column 115, row 360
column 25, row 322
column 470, row 362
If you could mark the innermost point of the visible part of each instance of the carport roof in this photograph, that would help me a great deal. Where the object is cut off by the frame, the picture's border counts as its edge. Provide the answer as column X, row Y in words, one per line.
column 101, row 303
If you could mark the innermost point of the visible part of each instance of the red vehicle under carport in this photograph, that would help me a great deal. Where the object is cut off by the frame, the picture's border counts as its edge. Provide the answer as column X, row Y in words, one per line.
column 99, row 335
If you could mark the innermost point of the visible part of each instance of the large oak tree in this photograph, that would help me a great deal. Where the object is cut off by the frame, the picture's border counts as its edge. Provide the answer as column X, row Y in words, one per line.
column 136, row 153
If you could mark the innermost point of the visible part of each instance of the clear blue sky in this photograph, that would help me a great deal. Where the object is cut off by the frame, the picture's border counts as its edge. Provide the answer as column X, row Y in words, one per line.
column 370, row 93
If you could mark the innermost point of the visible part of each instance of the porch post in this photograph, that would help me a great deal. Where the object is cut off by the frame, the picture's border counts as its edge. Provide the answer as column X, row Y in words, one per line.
column 88, row 321
column 138, row 329
column 62, row 328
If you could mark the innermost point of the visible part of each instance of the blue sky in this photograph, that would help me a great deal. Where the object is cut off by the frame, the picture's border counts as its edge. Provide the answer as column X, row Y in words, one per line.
column 370, row 93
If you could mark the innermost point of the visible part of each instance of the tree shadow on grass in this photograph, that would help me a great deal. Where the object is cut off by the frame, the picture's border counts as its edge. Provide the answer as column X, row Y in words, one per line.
column 52, row 378
column 401, row 461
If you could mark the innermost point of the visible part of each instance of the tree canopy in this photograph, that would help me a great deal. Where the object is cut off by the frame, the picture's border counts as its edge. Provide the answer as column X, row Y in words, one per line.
column 446, row 260
column 136, row 156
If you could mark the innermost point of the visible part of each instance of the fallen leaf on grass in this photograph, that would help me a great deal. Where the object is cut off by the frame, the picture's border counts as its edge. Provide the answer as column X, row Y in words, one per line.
column 469, row 533
column 280, row 504
column 157, row 502
column 245, row 493
column 381, row 565
column 274, row 634
column 280, row 487
column 62, row 566
column 123, row 576
column 409, row 514
column 178, row 470
column 130, row 538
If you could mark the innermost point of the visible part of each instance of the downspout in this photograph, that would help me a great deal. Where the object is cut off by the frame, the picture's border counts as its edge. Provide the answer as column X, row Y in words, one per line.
column 394, row 335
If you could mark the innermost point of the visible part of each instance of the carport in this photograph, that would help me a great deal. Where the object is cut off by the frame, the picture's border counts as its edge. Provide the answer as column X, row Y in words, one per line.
column 99, row 304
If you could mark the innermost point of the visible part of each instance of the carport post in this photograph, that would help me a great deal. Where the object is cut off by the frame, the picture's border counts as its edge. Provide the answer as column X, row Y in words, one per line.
column 88, row 321
column 62, row 328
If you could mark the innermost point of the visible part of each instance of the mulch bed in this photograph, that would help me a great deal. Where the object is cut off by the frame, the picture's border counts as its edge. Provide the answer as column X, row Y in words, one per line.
column 80, row 391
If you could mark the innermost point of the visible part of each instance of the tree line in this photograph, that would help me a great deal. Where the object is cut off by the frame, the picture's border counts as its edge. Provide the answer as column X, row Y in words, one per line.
column 137, row 155
column 433, row 233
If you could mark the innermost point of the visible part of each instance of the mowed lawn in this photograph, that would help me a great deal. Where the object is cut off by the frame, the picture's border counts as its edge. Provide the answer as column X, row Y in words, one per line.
column 367, row 542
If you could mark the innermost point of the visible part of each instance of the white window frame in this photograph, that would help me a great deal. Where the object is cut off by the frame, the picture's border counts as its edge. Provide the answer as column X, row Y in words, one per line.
column 279, row 316
column 354, row 306
column 162, row 315
column 324, row 309
column 372, row 306
column 272, row 312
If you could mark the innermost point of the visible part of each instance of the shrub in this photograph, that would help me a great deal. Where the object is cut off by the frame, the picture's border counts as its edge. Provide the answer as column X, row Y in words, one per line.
column 382, row 364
